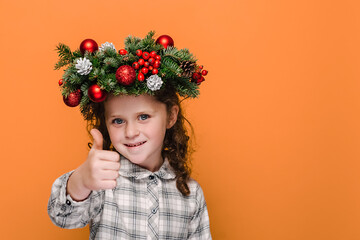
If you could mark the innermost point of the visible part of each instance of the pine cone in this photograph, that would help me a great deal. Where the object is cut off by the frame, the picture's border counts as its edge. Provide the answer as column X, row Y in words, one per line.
column 188, row 68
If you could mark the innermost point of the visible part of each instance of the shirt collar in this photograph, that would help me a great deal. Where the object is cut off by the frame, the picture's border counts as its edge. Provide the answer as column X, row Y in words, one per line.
column 129, row 169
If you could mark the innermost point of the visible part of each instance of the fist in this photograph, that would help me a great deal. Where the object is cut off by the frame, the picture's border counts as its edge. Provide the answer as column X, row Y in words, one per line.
column 99, row 171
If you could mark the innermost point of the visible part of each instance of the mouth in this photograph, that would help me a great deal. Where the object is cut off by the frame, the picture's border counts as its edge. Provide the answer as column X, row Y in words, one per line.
column 132, row 145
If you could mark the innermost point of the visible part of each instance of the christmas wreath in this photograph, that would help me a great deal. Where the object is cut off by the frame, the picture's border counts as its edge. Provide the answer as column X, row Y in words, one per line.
column 144, row 66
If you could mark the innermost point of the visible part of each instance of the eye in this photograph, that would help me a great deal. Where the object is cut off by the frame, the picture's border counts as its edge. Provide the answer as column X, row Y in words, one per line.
column 117, row 121
column 143, row 117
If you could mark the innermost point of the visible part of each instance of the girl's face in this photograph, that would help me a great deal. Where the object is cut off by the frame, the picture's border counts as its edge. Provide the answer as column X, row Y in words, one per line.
column 137, row 126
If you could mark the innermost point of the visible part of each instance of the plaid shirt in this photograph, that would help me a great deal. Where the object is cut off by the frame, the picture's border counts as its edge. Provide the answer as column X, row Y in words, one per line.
column 144, row 205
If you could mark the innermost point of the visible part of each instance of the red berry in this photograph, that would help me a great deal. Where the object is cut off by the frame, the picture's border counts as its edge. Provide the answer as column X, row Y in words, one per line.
column 141, row 61
column 155, row 71
column 201, row 67
column 141, row 77
column 196, row 76
column 200, row 80
column 144, row 70
column 122, row 52
column 157, row 64
column 150, row 68
column 151, row 61
column 138, row 52
column 146, row 64
column 60, row 82
column 204, row 72
column 158, row 57
column 145, row 55
column 136, row 65
column 153, row 54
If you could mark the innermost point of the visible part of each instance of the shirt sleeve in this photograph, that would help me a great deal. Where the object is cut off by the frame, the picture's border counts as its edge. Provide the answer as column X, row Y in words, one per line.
column 200, row 225
column 68, row 213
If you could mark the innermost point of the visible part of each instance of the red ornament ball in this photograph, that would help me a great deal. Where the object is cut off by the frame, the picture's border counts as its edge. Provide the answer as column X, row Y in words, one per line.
column 125, row 75
column 96, row 94
column 61, row 82
column 165, row 40
column 73, row 99
column 88, row 45
column 204, row 72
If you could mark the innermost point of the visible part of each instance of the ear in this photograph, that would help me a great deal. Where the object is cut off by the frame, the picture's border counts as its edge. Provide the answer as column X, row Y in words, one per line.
column 172, row 116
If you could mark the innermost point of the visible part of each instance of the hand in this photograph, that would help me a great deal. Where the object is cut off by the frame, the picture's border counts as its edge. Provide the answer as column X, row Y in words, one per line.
column 99, row 171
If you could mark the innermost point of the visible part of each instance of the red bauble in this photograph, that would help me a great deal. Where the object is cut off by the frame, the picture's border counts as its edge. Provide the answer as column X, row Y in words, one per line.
column 141, row 77
column 73, row 99
column 122, row 52
column 61, row 82
column 96, row 94
column 165, row 40
column 125, row 75
column 88, row 45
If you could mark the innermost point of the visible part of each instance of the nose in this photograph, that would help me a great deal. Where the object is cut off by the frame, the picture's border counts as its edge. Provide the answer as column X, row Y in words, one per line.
column 131, row 130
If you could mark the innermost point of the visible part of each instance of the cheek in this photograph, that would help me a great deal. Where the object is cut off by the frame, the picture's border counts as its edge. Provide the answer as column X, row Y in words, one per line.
column 115, row 134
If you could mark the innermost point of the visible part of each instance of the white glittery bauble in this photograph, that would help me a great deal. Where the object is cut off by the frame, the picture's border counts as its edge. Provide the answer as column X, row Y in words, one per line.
column 105, row 46
column 154, row 82
column 83, row 66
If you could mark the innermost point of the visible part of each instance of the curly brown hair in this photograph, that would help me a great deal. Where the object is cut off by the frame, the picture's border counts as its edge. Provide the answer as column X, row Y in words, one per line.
column 176, row 147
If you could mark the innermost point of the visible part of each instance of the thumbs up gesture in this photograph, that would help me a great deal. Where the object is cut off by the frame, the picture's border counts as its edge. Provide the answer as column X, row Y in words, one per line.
column 99, row 171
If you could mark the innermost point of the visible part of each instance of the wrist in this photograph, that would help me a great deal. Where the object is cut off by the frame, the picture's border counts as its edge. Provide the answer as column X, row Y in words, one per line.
column 76, row 188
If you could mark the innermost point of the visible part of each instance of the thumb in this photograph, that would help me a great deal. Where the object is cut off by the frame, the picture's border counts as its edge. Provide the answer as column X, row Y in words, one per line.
column 98, row 139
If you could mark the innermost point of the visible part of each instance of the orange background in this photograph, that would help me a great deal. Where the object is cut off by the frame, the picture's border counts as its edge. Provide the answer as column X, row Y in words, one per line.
column 277, row 122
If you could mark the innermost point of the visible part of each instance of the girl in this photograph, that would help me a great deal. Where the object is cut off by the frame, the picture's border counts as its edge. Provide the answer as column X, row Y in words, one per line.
column 135, row 182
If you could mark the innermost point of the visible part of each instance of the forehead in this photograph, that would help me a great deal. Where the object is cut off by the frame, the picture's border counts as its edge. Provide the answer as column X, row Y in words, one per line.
column 126, row 104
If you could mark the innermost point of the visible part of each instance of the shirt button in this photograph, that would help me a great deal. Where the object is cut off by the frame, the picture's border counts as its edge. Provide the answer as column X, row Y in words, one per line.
column 153, row 211
column 68, row 202
column 151, row 177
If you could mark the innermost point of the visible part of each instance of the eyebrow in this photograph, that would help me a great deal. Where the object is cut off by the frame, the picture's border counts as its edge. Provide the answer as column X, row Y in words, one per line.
column 137, row 113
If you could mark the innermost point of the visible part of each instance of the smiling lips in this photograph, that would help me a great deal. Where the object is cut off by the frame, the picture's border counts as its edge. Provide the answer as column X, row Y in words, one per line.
column 135, row 144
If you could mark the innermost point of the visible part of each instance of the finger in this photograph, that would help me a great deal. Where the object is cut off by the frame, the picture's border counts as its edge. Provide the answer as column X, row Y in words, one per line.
column 110, row 165
column 98, row 139
column 108, row 156
column 108, row 184
column 109, row 175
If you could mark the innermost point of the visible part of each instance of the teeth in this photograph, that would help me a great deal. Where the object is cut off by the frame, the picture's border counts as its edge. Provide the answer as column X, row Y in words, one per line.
column 135, row 145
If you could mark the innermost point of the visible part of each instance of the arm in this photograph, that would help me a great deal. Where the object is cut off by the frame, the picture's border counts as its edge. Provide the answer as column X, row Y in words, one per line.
column 200, row 226
column 67, row 213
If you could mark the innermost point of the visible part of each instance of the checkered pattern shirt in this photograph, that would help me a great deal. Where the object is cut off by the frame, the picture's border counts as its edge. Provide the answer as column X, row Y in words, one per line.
column 144, row 205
